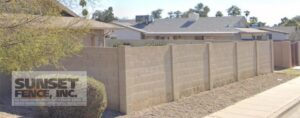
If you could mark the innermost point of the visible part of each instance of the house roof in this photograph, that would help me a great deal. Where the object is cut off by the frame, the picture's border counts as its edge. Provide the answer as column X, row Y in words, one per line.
column 284, row 30
column 54, row 21
column 251, row 30
column 66, row 9
column 203, row 25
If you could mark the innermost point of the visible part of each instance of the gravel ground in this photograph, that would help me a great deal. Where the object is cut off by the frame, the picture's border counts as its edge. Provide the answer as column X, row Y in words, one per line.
column 211, row 101
column 195, row 106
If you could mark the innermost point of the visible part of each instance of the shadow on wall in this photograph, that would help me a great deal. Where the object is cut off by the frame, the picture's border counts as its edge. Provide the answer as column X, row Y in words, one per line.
column 5, row 85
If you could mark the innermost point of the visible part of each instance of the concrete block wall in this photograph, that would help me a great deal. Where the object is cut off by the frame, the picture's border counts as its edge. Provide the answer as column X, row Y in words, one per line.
column 101, row 64
column 148, row 77
column 161, row 74
column 282, row 54
column 265, row 57
column 141, row 77
column 223, row 66
column 190, row 69
column 246, row 59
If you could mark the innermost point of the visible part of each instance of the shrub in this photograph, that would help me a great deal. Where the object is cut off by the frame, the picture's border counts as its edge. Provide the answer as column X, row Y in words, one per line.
column 96, row 104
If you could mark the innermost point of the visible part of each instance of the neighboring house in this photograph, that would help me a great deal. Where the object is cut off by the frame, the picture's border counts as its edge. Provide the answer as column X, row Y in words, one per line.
column 276, row 34
column 194, row 27
column 100, row 31
column 293, row 31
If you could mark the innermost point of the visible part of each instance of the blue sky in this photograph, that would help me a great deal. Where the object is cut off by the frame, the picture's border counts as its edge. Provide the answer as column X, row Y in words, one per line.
column 270, row 11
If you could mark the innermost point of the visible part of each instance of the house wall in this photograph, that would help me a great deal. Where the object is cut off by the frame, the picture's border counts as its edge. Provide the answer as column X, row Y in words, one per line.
column 192, row 37
column 278, row 36
column 94, row 39
column 127, row 34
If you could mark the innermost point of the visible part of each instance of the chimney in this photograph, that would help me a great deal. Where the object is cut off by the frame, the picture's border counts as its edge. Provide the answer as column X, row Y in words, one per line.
column 193, row 16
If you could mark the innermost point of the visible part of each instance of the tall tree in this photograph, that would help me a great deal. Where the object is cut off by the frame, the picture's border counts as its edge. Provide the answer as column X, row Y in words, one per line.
column 83, row 4
column 202, row 10
column 171, row 14
column 156, row 13
column 104, row 16
column 177, row 14
column 234, row 11
column 205, row 12
column 219, row 14
column 30, row 41
column 199, row 7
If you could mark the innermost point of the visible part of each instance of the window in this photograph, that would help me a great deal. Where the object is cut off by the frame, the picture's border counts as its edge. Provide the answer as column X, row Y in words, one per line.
column 259, row 37
column 156, row 37
column 270, row 36
column 199, row 38
column 176, row 37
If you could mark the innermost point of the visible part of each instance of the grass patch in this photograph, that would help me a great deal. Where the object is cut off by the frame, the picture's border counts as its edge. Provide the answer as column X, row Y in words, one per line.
column 290, row 71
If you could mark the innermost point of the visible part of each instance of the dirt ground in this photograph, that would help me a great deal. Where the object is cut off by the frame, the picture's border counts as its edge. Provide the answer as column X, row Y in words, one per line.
column 195, row 106
column 211, row 101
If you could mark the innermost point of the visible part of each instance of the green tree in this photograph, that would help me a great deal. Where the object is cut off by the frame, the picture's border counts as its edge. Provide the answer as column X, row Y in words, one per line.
column 157, row 13
column 234, row 11
column 28, row 38
column 205, row 12
column 253, row 20
column 177, row 14
column 104, row 16
column 261, row 24
column 186, row 14
column 219, row 14
column 201, row 10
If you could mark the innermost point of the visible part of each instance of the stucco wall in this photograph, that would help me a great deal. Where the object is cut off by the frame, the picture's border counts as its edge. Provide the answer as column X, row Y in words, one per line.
column 229, row 37
column 127, row 34
column 278, row 36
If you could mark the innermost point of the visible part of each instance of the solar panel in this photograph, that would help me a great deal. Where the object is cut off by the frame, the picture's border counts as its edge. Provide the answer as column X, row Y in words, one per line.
column 187, row 24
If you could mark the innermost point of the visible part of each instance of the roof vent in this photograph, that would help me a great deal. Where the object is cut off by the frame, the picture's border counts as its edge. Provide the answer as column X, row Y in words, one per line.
column 193, row 16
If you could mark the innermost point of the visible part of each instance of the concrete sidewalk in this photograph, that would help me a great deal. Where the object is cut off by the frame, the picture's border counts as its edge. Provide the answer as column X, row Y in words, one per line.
column 269, row 104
